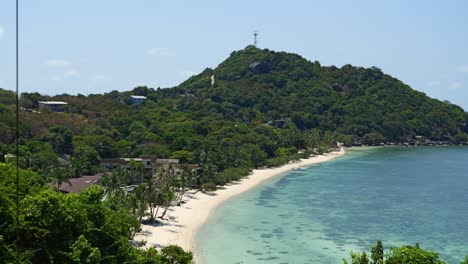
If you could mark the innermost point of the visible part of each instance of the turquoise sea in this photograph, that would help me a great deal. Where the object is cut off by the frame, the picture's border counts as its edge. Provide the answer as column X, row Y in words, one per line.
column 318, row 215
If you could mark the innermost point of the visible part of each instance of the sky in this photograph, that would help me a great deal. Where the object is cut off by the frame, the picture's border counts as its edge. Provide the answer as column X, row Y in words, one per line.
column 91, row 46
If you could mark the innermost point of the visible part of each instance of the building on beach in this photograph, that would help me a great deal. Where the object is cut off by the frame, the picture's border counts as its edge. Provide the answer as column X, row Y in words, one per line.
column 150, row 163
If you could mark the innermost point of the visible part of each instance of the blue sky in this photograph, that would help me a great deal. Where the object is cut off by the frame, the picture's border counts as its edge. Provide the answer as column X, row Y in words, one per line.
column 97, row 46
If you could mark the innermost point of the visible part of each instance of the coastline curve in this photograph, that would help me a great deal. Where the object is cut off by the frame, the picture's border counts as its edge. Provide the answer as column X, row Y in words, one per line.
column 183, row 222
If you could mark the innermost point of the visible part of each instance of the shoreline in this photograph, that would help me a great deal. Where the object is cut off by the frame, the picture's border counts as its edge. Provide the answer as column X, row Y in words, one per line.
column 183, row 222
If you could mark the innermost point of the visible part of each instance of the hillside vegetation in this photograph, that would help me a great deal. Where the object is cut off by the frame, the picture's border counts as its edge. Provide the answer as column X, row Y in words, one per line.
column 348, row 100
column 264, row 108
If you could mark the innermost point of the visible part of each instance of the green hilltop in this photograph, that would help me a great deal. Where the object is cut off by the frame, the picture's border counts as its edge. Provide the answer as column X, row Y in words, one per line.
column 348, row 100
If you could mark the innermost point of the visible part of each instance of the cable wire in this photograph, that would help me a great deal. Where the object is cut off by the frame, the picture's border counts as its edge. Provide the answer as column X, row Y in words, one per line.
column 17, row 241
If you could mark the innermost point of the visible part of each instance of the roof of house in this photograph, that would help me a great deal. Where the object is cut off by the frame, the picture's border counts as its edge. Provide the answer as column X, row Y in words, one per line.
column 52, row 102
column 167, row 161
column 152, row 157
column 9, row 156
column 129, row 159
column 112, row 161
column 138, row 96
column 78, row 184
column 63, row 161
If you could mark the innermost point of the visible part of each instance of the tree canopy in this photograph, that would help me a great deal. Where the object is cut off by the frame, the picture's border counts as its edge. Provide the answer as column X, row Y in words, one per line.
column 69, row 228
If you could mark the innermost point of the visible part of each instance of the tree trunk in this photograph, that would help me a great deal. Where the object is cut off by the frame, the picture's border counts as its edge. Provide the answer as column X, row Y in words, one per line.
column 181, row 196
column 156, row 214
column 152, row 214
column 165, row 210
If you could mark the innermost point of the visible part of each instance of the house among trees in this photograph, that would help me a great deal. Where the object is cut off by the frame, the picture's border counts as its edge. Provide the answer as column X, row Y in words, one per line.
column 130, row 164
column 54, row 106
column 149, row 163
column 137, row 99
column 10, row 158
column 76, row 185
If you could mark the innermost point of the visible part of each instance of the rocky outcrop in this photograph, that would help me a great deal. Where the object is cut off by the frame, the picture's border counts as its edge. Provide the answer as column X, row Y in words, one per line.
column 260, row 67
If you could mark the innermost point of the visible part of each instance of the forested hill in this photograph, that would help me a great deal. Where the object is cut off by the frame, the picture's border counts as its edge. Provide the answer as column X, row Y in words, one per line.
column 256, row 106
column 257, row 86
column 261, row 85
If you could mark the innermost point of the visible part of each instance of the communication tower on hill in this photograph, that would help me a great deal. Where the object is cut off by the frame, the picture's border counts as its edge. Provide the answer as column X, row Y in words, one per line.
column 255, row 38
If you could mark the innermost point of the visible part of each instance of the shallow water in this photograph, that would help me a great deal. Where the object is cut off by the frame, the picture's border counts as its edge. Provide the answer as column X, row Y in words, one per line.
column 398, row 195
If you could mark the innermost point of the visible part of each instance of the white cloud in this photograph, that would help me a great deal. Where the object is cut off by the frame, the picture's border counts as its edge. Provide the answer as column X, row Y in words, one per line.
column 72, row 74
column 2, row 31
column 463, row 69
column 433, row 83
column 159, row 52
column 57, row 63
column 455, row 85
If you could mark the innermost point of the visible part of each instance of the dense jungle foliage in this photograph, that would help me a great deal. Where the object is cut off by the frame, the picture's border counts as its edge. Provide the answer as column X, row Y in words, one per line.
column 69, row 228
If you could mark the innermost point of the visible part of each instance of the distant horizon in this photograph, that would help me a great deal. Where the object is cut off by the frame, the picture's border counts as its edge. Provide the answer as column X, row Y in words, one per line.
column 96, row 47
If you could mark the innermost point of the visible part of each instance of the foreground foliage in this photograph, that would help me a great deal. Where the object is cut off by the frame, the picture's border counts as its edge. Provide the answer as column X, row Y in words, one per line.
column 70, row 228
column 402, row 255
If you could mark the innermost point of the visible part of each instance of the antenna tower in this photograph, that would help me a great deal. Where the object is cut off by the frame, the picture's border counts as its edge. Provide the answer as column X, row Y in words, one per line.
column 255, row 38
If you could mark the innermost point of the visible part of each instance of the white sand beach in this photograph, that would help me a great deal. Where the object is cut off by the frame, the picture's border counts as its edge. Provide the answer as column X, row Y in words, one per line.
column 182, row 222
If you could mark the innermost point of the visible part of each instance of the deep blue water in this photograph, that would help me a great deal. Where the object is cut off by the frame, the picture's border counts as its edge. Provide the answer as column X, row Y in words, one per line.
column 398, row 195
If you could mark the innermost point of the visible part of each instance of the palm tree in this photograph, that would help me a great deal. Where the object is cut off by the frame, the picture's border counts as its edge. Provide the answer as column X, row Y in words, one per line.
column 115, row 180
column 137, row 170
column 60, row 175
column 168, row 193
column 151, row 195
column 138, row 205
column 186, row 176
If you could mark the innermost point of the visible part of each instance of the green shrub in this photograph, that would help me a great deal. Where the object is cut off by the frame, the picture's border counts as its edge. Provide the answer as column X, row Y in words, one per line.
column 208, row 187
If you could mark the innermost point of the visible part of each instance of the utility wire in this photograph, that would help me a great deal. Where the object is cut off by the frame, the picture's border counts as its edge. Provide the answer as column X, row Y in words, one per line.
column 17, row 242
